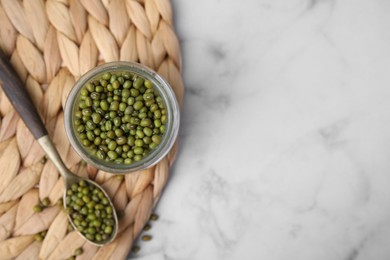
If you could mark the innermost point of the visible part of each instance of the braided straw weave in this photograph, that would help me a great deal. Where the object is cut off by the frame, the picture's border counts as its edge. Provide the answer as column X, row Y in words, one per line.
column 50, row 44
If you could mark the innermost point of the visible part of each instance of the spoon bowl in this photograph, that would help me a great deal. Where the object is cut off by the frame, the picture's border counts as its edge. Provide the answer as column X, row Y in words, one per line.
column 75, row 179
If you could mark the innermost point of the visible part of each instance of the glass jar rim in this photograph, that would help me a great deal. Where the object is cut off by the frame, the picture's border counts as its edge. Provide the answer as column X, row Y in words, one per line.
column 167, row 94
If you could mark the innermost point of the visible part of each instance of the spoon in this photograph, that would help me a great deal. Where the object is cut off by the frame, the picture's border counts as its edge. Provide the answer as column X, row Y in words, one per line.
column 23, row 104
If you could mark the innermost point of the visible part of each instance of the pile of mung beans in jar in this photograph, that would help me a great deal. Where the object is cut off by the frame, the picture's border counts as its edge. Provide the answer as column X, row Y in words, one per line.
column 120, row 117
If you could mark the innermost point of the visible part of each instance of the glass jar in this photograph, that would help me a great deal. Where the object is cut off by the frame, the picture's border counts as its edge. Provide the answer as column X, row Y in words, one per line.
column 159, row 84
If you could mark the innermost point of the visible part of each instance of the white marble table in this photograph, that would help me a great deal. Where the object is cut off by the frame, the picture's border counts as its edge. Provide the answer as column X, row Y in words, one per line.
column 285, row 136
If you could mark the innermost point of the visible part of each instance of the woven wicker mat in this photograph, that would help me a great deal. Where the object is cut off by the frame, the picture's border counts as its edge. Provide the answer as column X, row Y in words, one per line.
column 51, row 43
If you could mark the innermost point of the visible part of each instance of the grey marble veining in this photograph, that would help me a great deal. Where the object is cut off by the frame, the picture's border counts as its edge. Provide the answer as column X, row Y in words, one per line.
column 285, row 135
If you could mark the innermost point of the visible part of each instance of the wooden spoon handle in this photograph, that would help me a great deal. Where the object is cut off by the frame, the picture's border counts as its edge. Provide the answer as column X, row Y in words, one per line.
column 19, row 98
